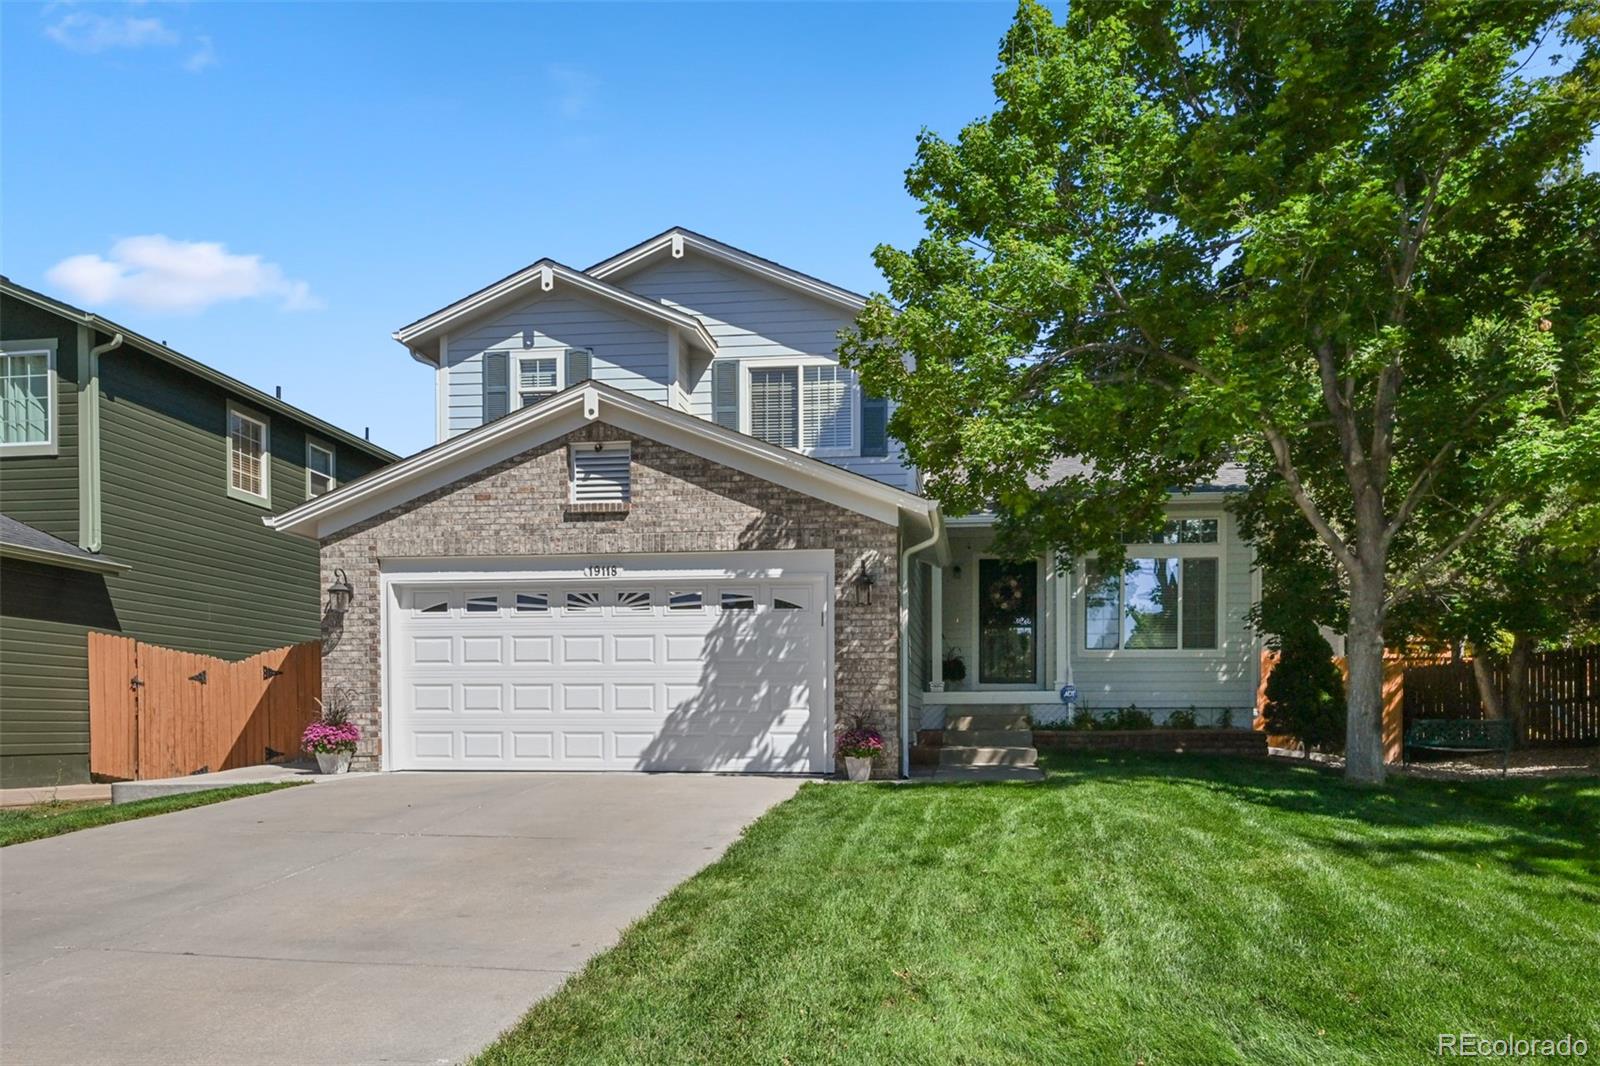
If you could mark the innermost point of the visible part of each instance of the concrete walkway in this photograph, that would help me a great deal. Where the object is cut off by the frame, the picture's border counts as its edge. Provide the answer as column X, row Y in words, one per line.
column 402, row 918
column 27, row 797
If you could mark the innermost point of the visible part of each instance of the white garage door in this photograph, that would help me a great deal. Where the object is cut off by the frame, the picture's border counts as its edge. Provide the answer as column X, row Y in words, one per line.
column 626, row 664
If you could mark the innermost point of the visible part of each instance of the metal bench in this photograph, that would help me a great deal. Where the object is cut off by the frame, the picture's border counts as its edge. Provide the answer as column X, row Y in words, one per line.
column 1459, row 734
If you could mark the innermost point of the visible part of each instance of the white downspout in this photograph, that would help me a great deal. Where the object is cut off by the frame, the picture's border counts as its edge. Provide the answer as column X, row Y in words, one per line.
column 905, row 636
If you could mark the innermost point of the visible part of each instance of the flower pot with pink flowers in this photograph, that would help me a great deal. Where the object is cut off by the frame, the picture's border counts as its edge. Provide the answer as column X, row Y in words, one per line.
column 331, row 738
column 860, row 745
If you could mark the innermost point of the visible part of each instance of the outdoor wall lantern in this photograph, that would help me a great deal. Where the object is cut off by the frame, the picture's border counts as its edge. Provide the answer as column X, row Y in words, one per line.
column 865, row 579
column 340, row 593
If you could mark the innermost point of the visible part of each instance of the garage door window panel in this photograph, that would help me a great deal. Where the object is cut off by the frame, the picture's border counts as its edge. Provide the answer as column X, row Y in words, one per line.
column 533, row 603
column 583, row 602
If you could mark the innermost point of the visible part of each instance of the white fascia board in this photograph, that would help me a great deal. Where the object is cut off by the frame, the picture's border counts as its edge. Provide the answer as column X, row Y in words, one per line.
column 420, row 334
column 630, row 260
column 449, row 462
column 457, row 457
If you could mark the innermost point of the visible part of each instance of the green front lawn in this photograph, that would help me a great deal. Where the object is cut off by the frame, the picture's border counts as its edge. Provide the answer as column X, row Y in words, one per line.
column 20, row 824
column 1127, row 909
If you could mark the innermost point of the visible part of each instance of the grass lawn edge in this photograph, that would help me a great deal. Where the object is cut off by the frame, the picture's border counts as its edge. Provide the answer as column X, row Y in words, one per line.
column 22, row 825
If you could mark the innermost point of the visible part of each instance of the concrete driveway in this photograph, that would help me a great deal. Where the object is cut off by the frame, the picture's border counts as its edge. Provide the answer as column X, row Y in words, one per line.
column 403, row 918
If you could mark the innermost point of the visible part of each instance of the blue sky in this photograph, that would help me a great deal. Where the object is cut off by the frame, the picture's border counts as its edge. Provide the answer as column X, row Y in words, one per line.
column 383, row 160
column 328, row 172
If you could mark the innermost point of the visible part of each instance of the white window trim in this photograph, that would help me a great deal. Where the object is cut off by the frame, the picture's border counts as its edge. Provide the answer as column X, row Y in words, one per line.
column 333, row 464
column 265, row 499
column 1217, row 551
column 50, row 445
column 799, row 362
column 558, row 354
column 1040, row 623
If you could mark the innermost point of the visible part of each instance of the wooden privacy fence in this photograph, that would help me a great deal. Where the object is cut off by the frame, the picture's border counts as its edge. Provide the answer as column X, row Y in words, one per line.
column 1396, row 670
column 156, row 712
column 1563, row 690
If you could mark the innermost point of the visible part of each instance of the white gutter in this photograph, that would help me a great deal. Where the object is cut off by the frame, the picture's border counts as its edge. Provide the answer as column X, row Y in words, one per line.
column 905, row 635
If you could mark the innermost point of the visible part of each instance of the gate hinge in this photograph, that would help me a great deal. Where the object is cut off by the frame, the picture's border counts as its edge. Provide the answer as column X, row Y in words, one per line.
column 200, row 677
column 268, row 673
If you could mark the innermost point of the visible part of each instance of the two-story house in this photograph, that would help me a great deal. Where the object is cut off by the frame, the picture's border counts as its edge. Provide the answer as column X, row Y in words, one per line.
column 133, row 480
column 663, row 528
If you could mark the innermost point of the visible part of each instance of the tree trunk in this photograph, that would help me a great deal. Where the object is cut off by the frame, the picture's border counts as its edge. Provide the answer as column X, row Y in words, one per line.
column 1363, row 748
column 1488, row 692
column 1516, row 705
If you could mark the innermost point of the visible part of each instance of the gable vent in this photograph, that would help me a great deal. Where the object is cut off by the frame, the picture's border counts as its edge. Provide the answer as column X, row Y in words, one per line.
column 601, row 476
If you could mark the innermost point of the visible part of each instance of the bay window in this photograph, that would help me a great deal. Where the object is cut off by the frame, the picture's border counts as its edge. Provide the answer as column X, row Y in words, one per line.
column 1166, row 596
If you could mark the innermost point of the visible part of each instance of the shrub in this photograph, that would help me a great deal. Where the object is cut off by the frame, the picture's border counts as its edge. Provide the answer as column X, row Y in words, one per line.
column 1183, row 720
column 1129, row 717
column 1083, row 718
column 1305, row 692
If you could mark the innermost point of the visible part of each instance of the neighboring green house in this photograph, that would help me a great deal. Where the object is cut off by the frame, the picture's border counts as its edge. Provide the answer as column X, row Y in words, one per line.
column 135, row 480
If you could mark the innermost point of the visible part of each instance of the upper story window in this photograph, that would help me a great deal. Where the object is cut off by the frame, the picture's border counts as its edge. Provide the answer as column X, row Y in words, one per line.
column 1168, row 596
column 538, row 376
column 28, row 397
column 807, row 406
column 249, row 459
column 319, row 469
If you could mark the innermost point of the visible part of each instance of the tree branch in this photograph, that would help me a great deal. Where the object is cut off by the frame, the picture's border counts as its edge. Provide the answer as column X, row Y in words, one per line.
column 1418, row 578
column 1303, row 500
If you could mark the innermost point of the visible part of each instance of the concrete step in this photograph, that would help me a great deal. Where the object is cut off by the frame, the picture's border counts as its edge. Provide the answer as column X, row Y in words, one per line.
column 997, row 719
column 969, row 755
column 988, row 773
column 989, row 738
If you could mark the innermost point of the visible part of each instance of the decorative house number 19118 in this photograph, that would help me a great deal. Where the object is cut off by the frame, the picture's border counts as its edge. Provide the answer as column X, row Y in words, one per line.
column 601, row 571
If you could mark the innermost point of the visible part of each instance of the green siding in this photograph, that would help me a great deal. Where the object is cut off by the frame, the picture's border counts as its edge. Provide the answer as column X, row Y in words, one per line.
column 42, row 490
column 44, row 670
column 207, row 575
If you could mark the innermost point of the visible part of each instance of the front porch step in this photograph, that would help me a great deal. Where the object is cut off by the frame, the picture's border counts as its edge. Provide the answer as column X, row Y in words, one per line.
column 984, row 737
column 987, row 755
column 1001, row 718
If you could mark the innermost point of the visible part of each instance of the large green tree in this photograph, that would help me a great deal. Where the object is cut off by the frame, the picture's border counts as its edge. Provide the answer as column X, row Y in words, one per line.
column 1350, row 243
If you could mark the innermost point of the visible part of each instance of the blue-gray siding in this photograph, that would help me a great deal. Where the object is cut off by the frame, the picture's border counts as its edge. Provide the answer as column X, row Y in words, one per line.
column 628, row 352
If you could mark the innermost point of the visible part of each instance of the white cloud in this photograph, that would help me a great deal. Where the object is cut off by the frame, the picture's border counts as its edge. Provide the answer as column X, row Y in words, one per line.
column 88, row 32
column 157, row 273
column 204, row 55
column 91, row 32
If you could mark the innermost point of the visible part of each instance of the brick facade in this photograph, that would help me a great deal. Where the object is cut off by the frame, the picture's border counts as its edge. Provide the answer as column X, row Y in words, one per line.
column 680, row 503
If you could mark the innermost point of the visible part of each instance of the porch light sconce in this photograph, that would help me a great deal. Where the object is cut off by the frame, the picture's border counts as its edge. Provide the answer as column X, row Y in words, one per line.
column 955, row 571
column 340, row 593
column 864, row 581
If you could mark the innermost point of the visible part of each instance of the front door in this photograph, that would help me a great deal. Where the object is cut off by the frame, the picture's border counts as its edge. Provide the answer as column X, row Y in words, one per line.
column 1008, row 622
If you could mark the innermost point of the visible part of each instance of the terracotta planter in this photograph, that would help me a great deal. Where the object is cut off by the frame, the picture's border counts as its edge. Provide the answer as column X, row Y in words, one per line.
column 857, row 768
column 333, row 762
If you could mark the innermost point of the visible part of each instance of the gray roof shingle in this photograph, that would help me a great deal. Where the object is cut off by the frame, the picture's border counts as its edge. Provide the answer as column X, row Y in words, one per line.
column 36, row 542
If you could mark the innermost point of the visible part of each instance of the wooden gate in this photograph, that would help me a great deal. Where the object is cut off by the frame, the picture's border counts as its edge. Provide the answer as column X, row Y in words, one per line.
column 157, row 712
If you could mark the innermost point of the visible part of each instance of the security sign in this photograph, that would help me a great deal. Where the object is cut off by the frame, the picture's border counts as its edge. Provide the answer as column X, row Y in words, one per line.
column 1069, row 693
